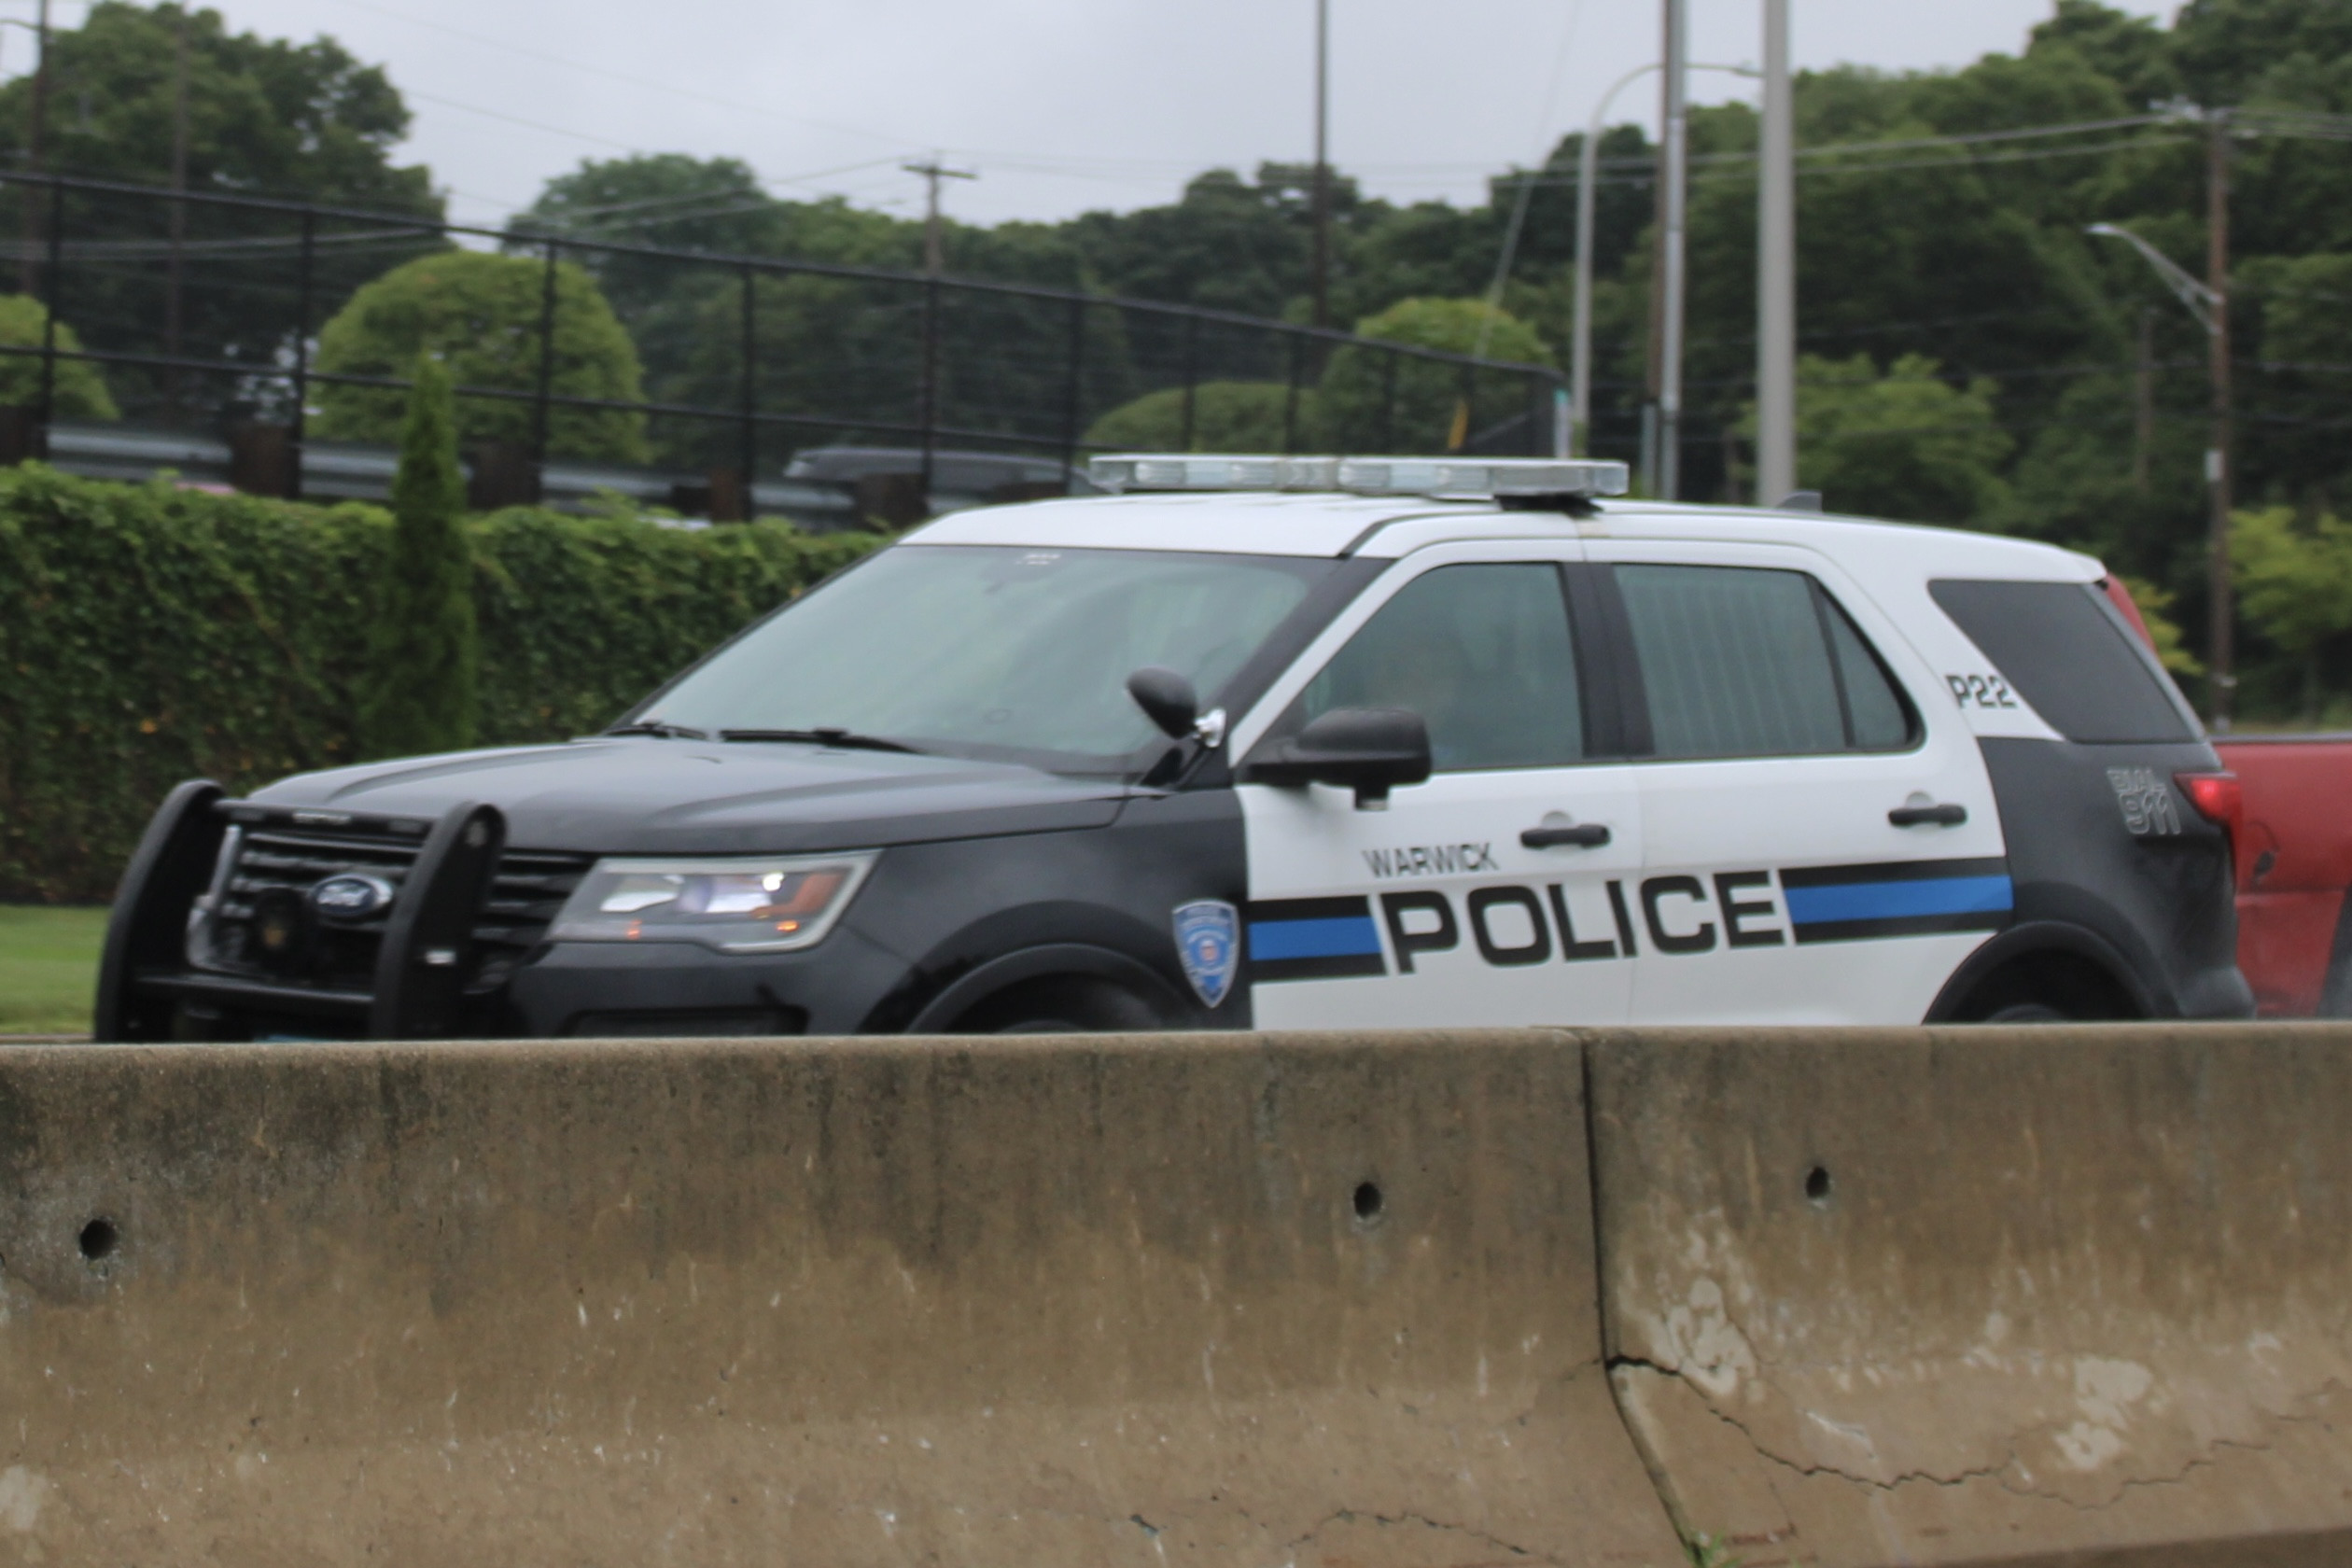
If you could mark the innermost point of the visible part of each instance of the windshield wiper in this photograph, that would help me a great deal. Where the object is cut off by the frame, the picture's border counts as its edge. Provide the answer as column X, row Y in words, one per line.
column 847, row 739
column 655, row 727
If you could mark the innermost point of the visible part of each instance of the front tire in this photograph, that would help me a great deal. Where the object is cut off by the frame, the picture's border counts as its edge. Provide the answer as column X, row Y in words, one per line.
column 1067, row 1004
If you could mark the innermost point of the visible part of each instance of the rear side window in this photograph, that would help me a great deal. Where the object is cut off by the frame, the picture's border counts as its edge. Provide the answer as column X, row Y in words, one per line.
column 1748, row 662
column 2068, row 653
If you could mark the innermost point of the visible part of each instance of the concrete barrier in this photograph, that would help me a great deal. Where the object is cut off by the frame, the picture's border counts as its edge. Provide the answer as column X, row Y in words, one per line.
column 1293, row 1301
column 2074, row 1295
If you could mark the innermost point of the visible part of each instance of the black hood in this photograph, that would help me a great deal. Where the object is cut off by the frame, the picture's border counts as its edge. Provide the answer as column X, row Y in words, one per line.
column 644, row 795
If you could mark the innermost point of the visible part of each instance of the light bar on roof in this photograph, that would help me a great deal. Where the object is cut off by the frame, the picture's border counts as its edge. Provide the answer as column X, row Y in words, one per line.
column 1474, row 478
column 1213, row 472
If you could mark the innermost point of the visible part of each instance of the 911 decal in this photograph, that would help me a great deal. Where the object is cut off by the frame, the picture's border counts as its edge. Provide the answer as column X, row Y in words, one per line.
column 1512, row 925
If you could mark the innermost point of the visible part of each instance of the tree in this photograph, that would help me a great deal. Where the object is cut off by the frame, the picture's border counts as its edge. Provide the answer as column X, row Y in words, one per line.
column 1907, row 444
column 1373, row 401
column 79, row 391
column 480, row 314
column 2294, row 584
column 265, row 117
column 419, row 693
column 1227, row 416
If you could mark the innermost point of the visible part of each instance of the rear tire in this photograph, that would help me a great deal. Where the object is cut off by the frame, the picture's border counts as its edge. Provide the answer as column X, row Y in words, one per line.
column 1061, row 1005
column 2047, row 987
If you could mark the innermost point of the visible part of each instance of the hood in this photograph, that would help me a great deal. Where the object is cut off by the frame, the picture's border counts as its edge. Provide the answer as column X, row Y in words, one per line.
column 647, row 795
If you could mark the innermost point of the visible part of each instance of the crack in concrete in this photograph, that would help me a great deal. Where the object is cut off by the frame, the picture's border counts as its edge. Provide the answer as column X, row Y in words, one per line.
column 1998, row 1474
column 1349, row 1515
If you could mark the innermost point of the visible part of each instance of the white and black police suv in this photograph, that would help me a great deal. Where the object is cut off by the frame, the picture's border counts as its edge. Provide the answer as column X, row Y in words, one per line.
column 1271, row 742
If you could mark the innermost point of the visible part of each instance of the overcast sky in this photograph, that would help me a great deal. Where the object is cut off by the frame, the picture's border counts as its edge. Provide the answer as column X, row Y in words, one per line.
column 1060, row 105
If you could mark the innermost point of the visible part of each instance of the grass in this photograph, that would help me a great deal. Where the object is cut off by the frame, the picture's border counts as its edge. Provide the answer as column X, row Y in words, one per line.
column 48, row 967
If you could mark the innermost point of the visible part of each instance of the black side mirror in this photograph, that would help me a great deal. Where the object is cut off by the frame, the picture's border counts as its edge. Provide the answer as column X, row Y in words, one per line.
column 1368, row 749
column 1166, row 699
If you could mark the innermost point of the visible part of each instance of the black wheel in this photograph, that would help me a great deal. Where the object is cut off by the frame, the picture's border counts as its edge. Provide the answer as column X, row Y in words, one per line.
column 1071, row 1004
column 2027, row 1013
column 2046, row 987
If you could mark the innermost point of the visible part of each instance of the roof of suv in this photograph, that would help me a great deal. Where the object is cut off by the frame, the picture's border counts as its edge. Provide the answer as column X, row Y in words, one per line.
column 1387, row 526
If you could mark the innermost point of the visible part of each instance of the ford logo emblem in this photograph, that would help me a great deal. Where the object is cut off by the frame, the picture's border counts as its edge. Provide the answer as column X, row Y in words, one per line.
column 351, row 897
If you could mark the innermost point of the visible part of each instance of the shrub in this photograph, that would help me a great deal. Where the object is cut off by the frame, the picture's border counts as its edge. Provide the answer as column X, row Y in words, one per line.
column 1417, row 405
column 80, row 389
column 149, row 635
column 1227, row 416
column 480, row 314
column 417, row 694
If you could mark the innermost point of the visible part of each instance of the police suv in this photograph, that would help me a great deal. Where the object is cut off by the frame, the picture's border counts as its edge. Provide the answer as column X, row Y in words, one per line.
column 1276, row 743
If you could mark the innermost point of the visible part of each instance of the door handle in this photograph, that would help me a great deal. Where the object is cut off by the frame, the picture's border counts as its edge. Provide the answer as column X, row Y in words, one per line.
column 1944, row 816
column 1584, row 835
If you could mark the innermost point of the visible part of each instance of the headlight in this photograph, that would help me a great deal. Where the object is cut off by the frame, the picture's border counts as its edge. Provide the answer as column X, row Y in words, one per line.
column 735, row 905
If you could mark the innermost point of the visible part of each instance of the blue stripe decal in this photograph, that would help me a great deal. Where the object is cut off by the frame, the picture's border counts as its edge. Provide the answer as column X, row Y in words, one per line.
column 1271, row 940
column 1896, row 901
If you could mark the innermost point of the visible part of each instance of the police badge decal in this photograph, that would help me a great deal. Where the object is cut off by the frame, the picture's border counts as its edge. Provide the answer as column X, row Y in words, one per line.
column 1209, row 945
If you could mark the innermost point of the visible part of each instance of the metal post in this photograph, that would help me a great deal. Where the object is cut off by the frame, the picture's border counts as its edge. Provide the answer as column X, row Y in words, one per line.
column 927, row 387
column 1668, row 286
column 1776, row 272
column 2144, row 399
column 48, row 312
column 2222, row 655
column 1191, row 380
column 1071, row 397
column 1322, row 165
column 547, row 360
column 1290, row 401
column 304, row 259
column 180, row 208
column 1388, row 399
column 748, row 430
column 1459, row 437
column 34, row 162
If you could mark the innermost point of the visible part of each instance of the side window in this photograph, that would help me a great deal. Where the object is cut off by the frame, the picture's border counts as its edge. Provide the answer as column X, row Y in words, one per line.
column 1481, row 653
column 1746, row 661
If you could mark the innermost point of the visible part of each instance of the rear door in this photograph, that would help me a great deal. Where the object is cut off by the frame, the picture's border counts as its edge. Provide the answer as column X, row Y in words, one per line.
column 1437, row 910
column 1821, row 840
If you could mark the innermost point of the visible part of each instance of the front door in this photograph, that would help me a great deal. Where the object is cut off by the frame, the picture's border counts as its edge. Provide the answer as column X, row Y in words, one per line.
column 1494, row 893
column 1822, row 844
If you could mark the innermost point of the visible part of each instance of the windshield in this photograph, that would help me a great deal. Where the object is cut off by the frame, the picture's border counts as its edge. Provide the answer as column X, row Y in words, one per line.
column 1002, row 652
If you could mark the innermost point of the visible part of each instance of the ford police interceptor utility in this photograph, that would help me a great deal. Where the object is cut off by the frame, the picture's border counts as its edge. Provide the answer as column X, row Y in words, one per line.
column 1281, row 743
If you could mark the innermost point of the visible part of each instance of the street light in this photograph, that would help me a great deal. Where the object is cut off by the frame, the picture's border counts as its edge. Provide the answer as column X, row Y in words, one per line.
column 2210, row 305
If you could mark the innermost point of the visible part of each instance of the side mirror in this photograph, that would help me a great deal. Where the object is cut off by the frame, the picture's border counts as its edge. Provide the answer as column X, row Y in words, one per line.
column 1368, row 749
column 1166, row 699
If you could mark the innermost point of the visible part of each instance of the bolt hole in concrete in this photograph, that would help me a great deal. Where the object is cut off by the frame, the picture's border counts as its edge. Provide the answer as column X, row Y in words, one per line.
column 99, row 1239
column 1817, row 1184
column 1368, row 1202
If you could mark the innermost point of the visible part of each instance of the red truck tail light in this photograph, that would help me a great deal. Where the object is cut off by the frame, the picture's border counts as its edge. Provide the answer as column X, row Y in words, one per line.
column 2217, row 798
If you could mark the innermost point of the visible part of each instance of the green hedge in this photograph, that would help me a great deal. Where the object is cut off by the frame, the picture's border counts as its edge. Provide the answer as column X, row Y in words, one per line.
column 149, row 635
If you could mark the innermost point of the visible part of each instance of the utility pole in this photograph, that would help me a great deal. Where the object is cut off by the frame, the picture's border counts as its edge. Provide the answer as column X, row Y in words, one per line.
column 2144, row 401
column 934, row 266
column 179, row 188
column 2223, row 654
column 1662, row 425
column 1321, row 198
column 34, row 161
column 934, row 258
column 1776, row 272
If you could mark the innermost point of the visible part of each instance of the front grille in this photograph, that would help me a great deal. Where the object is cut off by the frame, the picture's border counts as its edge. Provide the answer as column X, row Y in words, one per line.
column 275, row 863
column 528, row 891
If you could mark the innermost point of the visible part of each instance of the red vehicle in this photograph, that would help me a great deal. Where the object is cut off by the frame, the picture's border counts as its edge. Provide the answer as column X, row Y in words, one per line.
column 2291, row 830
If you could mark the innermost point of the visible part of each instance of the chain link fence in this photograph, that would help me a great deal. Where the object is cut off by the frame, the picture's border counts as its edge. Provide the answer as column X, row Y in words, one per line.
column 183, row 331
